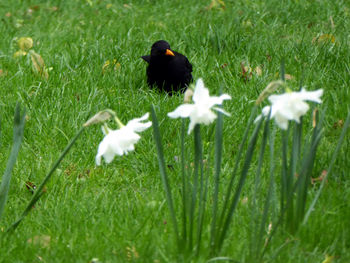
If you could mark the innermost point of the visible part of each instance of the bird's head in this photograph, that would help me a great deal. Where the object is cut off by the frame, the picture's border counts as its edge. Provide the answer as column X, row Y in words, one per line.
column 161, row 48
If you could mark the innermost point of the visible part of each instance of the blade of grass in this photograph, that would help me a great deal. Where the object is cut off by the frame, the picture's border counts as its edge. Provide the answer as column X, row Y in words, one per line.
column 163, row 174
column 38, row 193
column 18, row 127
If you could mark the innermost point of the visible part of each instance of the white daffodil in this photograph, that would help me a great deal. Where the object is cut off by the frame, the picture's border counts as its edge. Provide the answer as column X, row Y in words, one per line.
column 121, row 141
column 200, row 112
column 290, row 106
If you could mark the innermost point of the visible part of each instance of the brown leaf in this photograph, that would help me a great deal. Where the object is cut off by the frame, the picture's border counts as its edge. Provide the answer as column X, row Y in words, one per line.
column 268, row 57
column 38, row 64
column 3, row 73
column 258, row 71
column 219, row 4
column 131, row 253
column 31, row 186
column 320, row 178
column 246, row 72
column 35, row 7
column 288, row 77
column 54, row 8
column 40, row 240
column 325, row 38
column 244, row 200
column 338, row 124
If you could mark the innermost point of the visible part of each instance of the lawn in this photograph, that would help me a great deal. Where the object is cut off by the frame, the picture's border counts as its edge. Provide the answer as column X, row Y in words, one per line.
column 118, row 212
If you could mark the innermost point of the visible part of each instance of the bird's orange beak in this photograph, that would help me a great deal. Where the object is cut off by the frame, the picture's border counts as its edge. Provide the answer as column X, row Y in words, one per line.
column 168, row 52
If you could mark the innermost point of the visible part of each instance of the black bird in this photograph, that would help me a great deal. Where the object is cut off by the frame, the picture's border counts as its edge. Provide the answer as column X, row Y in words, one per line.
column 167, row 69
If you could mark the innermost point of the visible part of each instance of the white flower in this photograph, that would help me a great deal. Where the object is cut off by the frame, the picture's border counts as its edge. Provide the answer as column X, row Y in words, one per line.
column 121, row 141
column 290, row 106
column 200, row 112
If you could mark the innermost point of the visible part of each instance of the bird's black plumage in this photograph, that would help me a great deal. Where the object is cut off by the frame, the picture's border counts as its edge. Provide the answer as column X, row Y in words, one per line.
column 167, row 69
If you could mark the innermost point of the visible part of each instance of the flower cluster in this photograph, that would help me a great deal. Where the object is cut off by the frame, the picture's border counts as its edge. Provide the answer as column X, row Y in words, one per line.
column 283, row 108
column 122, row 140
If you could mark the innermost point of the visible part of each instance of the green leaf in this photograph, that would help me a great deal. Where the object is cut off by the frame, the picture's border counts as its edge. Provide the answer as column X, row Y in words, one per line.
column 163, row 174
column 184, row 181
column 217, row 168
column 19, row 121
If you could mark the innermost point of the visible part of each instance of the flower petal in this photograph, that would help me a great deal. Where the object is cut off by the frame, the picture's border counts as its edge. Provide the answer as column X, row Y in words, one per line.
column 281, row 122
column 222, row 111
column 218, row 100
column 182, row 111
column 201, row 93
column 311, row 95
column 138, row 126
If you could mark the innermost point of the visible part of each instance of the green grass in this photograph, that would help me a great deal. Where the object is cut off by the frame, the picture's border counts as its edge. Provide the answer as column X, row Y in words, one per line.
column 117, row 212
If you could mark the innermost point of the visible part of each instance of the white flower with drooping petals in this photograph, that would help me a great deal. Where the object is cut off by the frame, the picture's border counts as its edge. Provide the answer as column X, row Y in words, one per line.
column 121, row 141
column 201, row 111
column 290, row 106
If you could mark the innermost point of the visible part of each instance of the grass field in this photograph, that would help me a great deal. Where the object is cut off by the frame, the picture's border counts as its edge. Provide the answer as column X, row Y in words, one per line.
column 117, row 212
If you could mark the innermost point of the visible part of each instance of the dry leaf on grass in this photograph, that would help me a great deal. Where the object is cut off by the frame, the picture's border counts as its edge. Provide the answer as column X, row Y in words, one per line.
column 3, row 73
column 258, row 71
column 38, row 64
column 338, row 124
column 324, row 38
column 320, row 178
column 131, row 253
column 219, row 4
column 328, row 259
column 25, row 43
column 246, row 72
column 108, row 65
column 40, row 240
